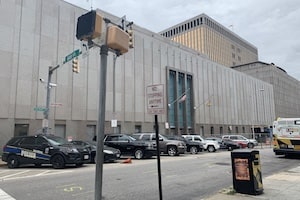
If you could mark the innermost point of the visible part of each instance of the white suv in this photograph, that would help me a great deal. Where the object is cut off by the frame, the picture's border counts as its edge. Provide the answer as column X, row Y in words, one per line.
column 239, row 138
column 208, row 145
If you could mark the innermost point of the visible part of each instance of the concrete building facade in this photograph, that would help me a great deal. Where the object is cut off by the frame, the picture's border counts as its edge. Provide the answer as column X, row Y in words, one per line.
column 209, row 37
column 286, row 88
column 36, row 34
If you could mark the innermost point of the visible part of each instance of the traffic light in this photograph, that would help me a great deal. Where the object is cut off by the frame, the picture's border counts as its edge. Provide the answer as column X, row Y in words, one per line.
column 117, row 39
column 130, row 34
column 75, row 65
column 89, row 26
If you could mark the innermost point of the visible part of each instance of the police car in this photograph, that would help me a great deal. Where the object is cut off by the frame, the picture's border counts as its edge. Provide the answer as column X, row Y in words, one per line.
column 43, row 149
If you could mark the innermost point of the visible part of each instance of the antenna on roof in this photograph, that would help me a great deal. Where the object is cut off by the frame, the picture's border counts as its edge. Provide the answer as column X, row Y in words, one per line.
column 91, row 4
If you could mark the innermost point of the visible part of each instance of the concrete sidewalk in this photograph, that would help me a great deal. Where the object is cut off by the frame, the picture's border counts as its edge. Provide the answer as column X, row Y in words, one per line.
column 283, row 186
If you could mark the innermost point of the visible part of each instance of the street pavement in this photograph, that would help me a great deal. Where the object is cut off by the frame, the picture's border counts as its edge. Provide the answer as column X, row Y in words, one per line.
column 283, row 185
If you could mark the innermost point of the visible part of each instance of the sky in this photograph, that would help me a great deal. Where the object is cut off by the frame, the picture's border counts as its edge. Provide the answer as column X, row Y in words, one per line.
column 273, row 26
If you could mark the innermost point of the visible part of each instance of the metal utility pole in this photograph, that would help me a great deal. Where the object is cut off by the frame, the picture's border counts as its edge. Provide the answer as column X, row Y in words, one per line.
column 116, row 55
column 46, row 112
column 101, row 122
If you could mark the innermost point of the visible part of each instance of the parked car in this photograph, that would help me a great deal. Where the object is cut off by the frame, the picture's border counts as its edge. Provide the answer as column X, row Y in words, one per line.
column 208, row 145
column 241, row 139
column 191, row 147
column 130, row 146
column 167, row 146
column 218, row 139
column 110, row 154
column 230, row 145
column 43, row 149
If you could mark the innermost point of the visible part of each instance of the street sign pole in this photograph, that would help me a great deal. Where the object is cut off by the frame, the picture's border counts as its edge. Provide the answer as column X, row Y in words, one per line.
column 46, row 112
column 155, row 99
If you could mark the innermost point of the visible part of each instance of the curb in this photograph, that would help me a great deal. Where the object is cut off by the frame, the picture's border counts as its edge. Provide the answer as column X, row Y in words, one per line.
column 2, row 163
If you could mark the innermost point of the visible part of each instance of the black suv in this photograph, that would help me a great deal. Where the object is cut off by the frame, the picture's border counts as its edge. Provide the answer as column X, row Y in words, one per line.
column 43, row 149
column 130, row 146
column 191, row 146
column 167, row 146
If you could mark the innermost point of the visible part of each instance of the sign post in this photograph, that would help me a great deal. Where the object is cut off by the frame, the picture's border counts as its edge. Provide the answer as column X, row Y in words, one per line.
column 155, row 105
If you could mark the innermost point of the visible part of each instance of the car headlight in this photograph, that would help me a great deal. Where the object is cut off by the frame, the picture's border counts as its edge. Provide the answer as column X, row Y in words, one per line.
column 108, row 152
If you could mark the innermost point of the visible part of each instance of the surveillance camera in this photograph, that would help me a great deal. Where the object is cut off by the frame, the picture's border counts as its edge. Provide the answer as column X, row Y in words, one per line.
column 42, row 80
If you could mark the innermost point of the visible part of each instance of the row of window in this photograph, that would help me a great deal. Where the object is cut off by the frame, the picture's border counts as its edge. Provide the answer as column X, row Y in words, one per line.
column 204, row 20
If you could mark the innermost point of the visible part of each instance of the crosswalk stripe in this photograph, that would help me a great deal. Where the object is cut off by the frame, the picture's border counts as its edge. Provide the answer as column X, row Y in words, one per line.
column 5, row 196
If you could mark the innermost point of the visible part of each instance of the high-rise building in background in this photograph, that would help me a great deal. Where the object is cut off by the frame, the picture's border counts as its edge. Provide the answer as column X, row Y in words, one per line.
column 207, row 36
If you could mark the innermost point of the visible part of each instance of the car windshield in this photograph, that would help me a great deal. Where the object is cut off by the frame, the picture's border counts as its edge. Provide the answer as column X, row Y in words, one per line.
column 54, row 140
column 163, row 137
column 126, row 138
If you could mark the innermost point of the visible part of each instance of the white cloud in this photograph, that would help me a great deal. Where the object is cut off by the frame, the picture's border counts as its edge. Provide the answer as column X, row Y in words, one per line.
column 273, row 26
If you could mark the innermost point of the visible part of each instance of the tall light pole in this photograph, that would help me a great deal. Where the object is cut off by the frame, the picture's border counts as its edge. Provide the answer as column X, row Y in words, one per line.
column 46, row 112
column 116, row 55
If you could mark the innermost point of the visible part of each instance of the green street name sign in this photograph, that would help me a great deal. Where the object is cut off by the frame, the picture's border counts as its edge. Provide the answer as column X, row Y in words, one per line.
column 39, row 109
column 72, row 55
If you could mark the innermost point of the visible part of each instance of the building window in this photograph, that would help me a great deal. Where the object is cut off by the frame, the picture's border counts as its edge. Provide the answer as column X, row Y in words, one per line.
column 21, row 129
column 180, row 105
column 90, row 131
column 202, row 130
column 189, row 106
column 229, row 129
column 171, row 97
column 138, row 129
column 233, row 55
column 212, row 130
column 181, row 91
column 60, row 130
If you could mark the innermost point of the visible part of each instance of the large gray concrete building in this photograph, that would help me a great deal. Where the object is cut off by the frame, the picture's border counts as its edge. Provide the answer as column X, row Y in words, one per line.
column 286, row 88
column 36, row 34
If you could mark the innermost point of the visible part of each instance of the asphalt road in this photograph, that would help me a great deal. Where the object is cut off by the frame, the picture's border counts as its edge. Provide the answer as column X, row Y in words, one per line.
column 186, row 177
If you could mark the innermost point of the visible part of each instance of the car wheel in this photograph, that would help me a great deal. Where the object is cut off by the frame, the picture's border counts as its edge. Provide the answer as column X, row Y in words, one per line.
column 172, row 151
column 194, row 150
column 12, row 162
column 211, row 148
column 58, row 162
column 138, row 153
column 250, row 145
